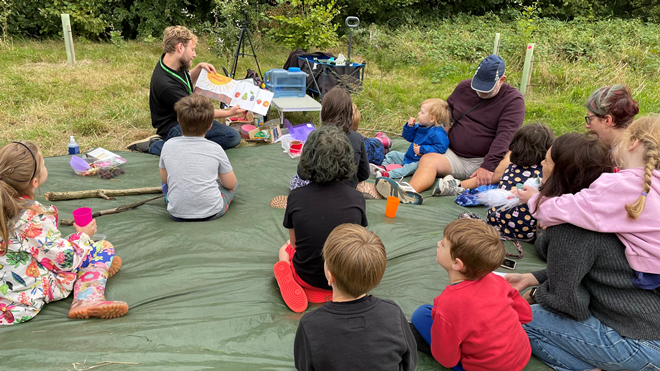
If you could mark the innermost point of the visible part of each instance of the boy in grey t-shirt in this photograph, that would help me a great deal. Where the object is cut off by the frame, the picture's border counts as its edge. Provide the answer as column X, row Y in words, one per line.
column 198, row 180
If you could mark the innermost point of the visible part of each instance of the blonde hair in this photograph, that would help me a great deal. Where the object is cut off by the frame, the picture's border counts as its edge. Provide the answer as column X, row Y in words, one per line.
column 174, row 35
column 356, row 257
column 477, row 244
column 439, row 110
column 356, row 117
column 647, row 131
column 17, row 167
column 195, row 114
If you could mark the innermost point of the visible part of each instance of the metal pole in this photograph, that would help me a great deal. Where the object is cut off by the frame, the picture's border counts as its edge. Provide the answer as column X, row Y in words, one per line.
column 351, row 22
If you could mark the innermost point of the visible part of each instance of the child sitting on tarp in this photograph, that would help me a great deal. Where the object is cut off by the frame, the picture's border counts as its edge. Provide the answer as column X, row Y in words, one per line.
column 476, row 322
column 528, row 149
column 337, row 110
column 312, row 212
column 376, row 147
column 198, row 180
column 37, row 265
column 428, row 135
column 355, row 261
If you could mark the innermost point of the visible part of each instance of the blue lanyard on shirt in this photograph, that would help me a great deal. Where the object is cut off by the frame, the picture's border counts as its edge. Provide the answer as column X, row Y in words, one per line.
column 186, row 82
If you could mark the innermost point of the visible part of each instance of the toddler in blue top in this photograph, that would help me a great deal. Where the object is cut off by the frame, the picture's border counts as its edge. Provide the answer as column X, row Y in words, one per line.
column 428, row 135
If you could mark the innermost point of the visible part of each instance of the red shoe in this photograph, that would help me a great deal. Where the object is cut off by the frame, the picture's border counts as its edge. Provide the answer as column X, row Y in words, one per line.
column 292, row 293
column 387, row 142
column 318, row 296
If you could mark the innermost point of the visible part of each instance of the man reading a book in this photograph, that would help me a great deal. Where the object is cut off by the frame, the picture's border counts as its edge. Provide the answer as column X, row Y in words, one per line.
column 172, row 80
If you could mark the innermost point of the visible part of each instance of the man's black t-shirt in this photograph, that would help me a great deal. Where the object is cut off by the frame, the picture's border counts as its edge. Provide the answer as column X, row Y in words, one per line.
column 363, row 334
column 313, row 211
column 167, row 87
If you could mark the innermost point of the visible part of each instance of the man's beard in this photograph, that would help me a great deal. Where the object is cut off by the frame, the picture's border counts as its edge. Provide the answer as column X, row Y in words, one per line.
column 490, row 94
column 185, row 64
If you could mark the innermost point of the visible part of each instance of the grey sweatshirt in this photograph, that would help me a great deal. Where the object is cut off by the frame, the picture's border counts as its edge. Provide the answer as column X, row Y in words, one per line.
column 588, row 274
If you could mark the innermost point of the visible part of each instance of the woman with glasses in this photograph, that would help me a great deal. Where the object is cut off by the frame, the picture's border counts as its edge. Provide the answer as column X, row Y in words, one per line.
column 610, row 110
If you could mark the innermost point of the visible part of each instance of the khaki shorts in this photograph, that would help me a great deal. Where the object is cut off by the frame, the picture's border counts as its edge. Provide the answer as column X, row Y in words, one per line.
column 462, row 168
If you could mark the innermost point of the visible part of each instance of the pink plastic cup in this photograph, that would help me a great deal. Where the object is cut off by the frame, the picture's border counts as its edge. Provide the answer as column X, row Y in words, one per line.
column 82, row 216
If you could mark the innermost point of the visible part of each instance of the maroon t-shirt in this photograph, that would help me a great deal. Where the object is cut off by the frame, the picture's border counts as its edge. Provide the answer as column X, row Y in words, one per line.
column 487, row 130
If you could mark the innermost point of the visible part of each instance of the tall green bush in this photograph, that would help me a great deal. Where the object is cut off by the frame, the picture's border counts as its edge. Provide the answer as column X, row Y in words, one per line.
column 89, row 18
column 306, row 27
column 94, row 19
column 290, row 24
column 5, row 12
column 150, row 17
column 224, row 30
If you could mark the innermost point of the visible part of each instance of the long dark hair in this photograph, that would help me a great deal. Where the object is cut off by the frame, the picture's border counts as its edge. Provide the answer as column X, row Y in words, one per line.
column 337, row 109
column 579, row 160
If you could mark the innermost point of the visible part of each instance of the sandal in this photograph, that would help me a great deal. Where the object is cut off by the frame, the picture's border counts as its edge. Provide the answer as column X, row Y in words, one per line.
column 279, row 202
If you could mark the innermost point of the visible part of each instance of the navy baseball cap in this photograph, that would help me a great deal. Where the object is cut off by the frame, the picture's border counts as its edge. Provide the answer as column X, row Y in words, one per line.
column 489, row 72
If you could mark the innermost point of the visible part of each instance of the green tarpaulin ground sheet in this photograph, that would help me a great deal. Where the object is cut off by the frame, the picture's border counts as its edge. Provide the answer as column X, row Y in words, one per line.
column 202, row 296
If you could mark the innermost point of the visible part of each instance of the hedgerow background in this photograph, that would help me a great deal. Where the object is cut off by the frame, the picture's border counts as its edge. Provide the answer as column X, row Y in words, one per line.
column 143, row 18
column 413, row 49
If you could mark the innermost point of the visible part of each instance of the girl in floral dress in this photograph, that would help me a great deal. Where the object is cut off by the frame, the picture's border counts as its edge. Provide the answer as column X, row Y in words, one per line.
column 528, row 149
column 37, row 265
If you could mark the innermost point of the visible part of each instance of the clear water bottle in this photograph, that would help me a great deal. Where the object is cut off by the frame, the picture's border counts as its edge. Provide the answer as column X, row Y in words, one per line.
column 74, row 148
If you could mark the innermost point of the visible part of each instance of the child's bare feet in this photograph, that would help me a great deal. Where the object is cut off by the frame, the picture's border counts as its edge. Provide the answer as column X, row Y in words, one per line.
column 101, row 309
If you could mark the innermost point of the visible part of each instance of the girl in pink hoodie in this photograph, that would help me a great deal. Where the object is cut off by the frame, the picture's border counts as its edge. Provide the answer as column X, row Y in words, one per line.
column 625, row 203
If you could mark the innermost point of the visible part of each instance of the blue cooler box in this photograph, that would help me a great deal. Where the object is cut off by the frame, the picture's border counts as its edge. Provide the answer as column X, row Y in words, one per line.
column 283, row 83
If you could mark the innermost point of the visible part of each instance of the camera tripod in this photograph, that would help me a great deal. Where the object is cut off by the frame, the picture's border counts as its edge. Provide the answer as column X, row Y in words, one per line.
column 240, row 47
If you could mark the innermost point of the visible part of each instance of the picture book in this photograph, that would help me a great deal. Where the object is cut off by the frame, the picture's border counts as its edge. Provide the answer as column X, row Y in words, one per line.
column 231, row 92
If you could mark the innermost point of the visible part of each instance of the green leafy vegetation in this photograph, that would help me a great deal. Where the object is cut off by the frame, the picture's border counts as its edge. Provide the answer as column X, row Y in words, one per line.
column 305, row 25
column 103, row 100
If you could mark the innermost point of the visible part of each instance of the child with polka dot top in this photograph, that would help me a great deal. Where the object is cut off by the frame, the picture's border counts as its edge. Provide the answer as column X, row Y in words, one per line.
column 528, row 148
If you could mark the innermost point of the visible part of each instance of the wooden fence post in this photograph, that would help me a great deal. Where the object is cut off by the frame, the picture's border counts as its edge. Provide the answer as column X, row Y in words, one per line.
column 68, row 39
column 527, row 69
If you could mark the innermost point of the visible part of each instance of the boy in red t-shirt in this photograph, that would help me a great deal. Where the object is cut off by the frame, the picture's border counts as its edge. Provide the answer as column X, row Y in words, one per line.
column 476, row 323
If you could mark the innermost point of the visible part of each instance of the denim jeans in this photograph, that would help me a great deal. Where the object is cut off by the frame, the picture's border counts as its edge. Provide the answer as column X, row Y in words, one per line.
column 224, row 135
column 564, row 344
column 423, row 322
column 395, row 157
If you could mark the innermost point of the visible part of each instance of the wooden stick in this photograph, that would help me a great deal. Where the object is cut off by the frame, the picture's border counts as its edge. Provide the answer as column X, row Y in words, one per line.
column 116, row 210
column 100, row 193
column 382, row 131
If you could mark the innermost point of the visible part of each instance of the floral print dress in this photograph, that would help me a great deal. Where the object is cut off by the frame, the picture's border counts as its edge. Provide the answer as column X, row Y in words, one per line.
column 37, row 266
column 517, row 222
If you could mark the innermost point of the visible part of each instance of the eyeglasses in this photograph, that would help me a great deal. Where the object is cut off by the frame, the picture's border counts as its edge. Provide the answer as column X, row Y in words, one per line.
column 588, row 119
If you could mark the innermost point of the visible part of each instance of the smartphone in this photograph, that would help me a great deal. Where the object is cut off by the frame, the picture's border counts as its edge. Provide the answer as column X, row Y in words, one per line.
column 509, row 264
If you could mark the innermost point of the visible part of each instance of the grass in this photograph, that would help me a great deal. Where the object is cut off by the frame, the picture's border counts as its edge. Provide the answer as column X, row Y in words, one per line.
column 104, row 99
